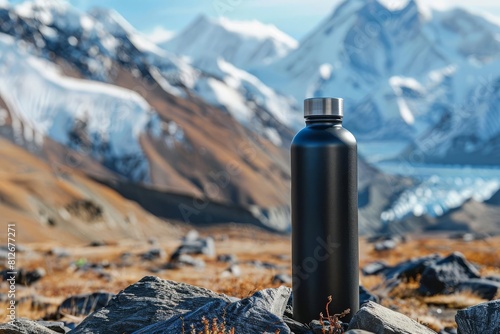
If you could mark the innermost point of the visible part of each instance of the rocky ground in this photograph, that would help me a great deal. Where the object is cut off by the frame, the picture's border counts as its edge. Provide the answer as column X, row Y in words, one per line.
column 423, row 278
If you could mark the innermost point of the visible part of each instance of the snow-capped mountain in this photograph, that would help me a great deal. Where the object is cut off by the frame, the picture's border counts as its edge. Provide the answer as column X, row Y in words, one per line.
column 91, row 83
column 93, row 116
column 399, row 69
column 245, row 44
column 95, row 41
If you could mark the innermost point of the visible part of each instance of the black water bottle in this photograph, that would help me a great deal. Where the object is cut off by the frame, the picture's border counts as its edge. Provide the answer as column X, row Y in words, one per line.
column 324, row 213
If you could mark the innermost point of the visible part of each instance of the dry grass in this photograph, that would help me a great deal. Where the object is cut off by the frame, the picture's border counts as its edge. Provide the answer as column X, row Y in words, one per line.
column 460, row 300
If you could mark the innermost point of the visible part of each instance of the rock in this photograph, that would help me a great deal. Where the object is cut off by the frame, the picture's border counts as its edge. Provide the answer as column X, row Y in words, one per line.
column 146, row 302
column 410, row 269
column 191, row 236
column 381, row 320
column 282, row 279
column 59, row 252
column 365, row 296
column 56, row 326
column 479, row 319
column 374, row 268
column 24, row 277
column 448, row 330
column 227, row 258
column 385, row 245
column 358, row 331
column 186, row 260
column 84, row 304
column 443, row 275
column 260, row 313
column 233, row 271
column 494, row 278
column 484, row 288
column 199, row 246
column 97, row 243
column 153, row 254
column 297, row 327
column 24, row 326
column 263, row 265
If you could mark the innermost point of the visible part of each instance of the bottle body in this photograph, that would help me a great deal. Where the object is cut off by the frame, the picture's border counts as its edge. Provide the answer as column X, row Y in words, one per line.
column 325, row 256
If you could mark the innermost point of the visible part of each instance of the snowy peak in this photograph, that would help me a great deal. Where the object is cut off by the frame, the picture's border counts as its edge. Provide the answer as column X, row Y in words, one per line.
column 244, row 44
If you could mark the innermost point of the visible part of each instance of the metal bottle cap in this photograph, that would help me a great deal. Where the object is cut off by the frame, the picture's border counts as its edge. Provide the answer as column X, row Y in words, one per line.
column 324, row 106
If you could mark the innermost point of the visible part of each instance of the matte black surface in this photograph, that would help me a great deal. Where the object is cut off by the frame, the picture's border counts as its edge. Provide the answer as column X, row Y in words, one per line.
column 324, row 220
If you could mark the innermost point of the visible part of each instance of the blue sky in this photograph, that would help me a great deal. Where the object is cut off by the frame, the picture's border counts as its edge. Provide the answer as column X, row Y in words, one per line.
column 295, row 17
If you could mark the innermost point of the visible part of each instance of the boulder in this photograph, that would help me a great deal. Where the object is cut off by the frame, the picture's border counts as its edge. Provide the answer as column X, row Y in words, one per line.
column 444, row 275
column 381, row 320
column 484, row 288
column 385, row 245
column 227, row 258
column 260, row 313
column 25, row 326
column 84, row 304
column 195, row 245
column 56, row 326
column 153, row 254
column 412, row 268
column 147, row 302
column 358, row 331
column 479, row 319
column 24, row 277
column 374, row 268
column 282, row 279
column 365, row 296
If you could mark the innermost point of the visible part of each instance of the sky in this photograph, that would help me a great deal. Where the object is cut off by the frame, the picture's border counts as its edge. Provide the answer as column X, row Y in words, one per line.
column 158, row 18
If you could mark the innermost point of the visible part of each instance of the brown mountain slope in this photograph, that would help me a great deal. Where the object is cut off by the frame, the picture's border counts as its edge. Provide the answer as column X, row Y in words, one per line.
column 232, row 163
column 65, row 205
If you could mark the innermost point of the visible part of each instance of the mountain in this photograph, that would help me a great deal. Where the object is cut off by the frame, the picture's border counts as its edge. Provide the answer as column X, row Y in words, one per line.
column 404, row 73
column 244, row 44
column 146, row 123
column 90, row 83
column 50, row 202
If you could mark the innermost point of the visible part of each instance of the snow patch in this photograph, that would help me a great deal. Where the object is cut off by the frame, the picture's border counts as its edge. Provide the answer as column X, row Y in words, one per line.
column 48, row 104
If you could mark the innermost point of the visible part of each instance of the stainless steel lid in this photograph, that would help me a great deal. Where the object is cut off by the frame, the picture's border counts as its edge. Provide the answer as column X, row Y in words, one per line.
column 324, row 106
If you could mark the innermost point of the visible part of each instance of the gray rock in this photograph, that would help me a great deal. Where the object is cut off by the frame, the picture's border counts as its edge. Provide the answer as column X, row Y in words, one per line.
column 479, row 319
column 228, row 258
column 260, row 313
column 56, row 326
column 147, row 302
column 195, row 246
column 443, row 275
column 381, row 320
column 192, row 235
column 484, row 288
column 365, row 296
column 374, row 268
column 263, row 265
column 495, row 278
column 296, row 327
column 358, row 331
column 59, row 252
column 24, row 326
column 25, row 277
column 282, row 279
column 84, row 304
column 412, row 268
column 448, row 330
column 385, row 245
column 190, row 261
column 153, row 254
